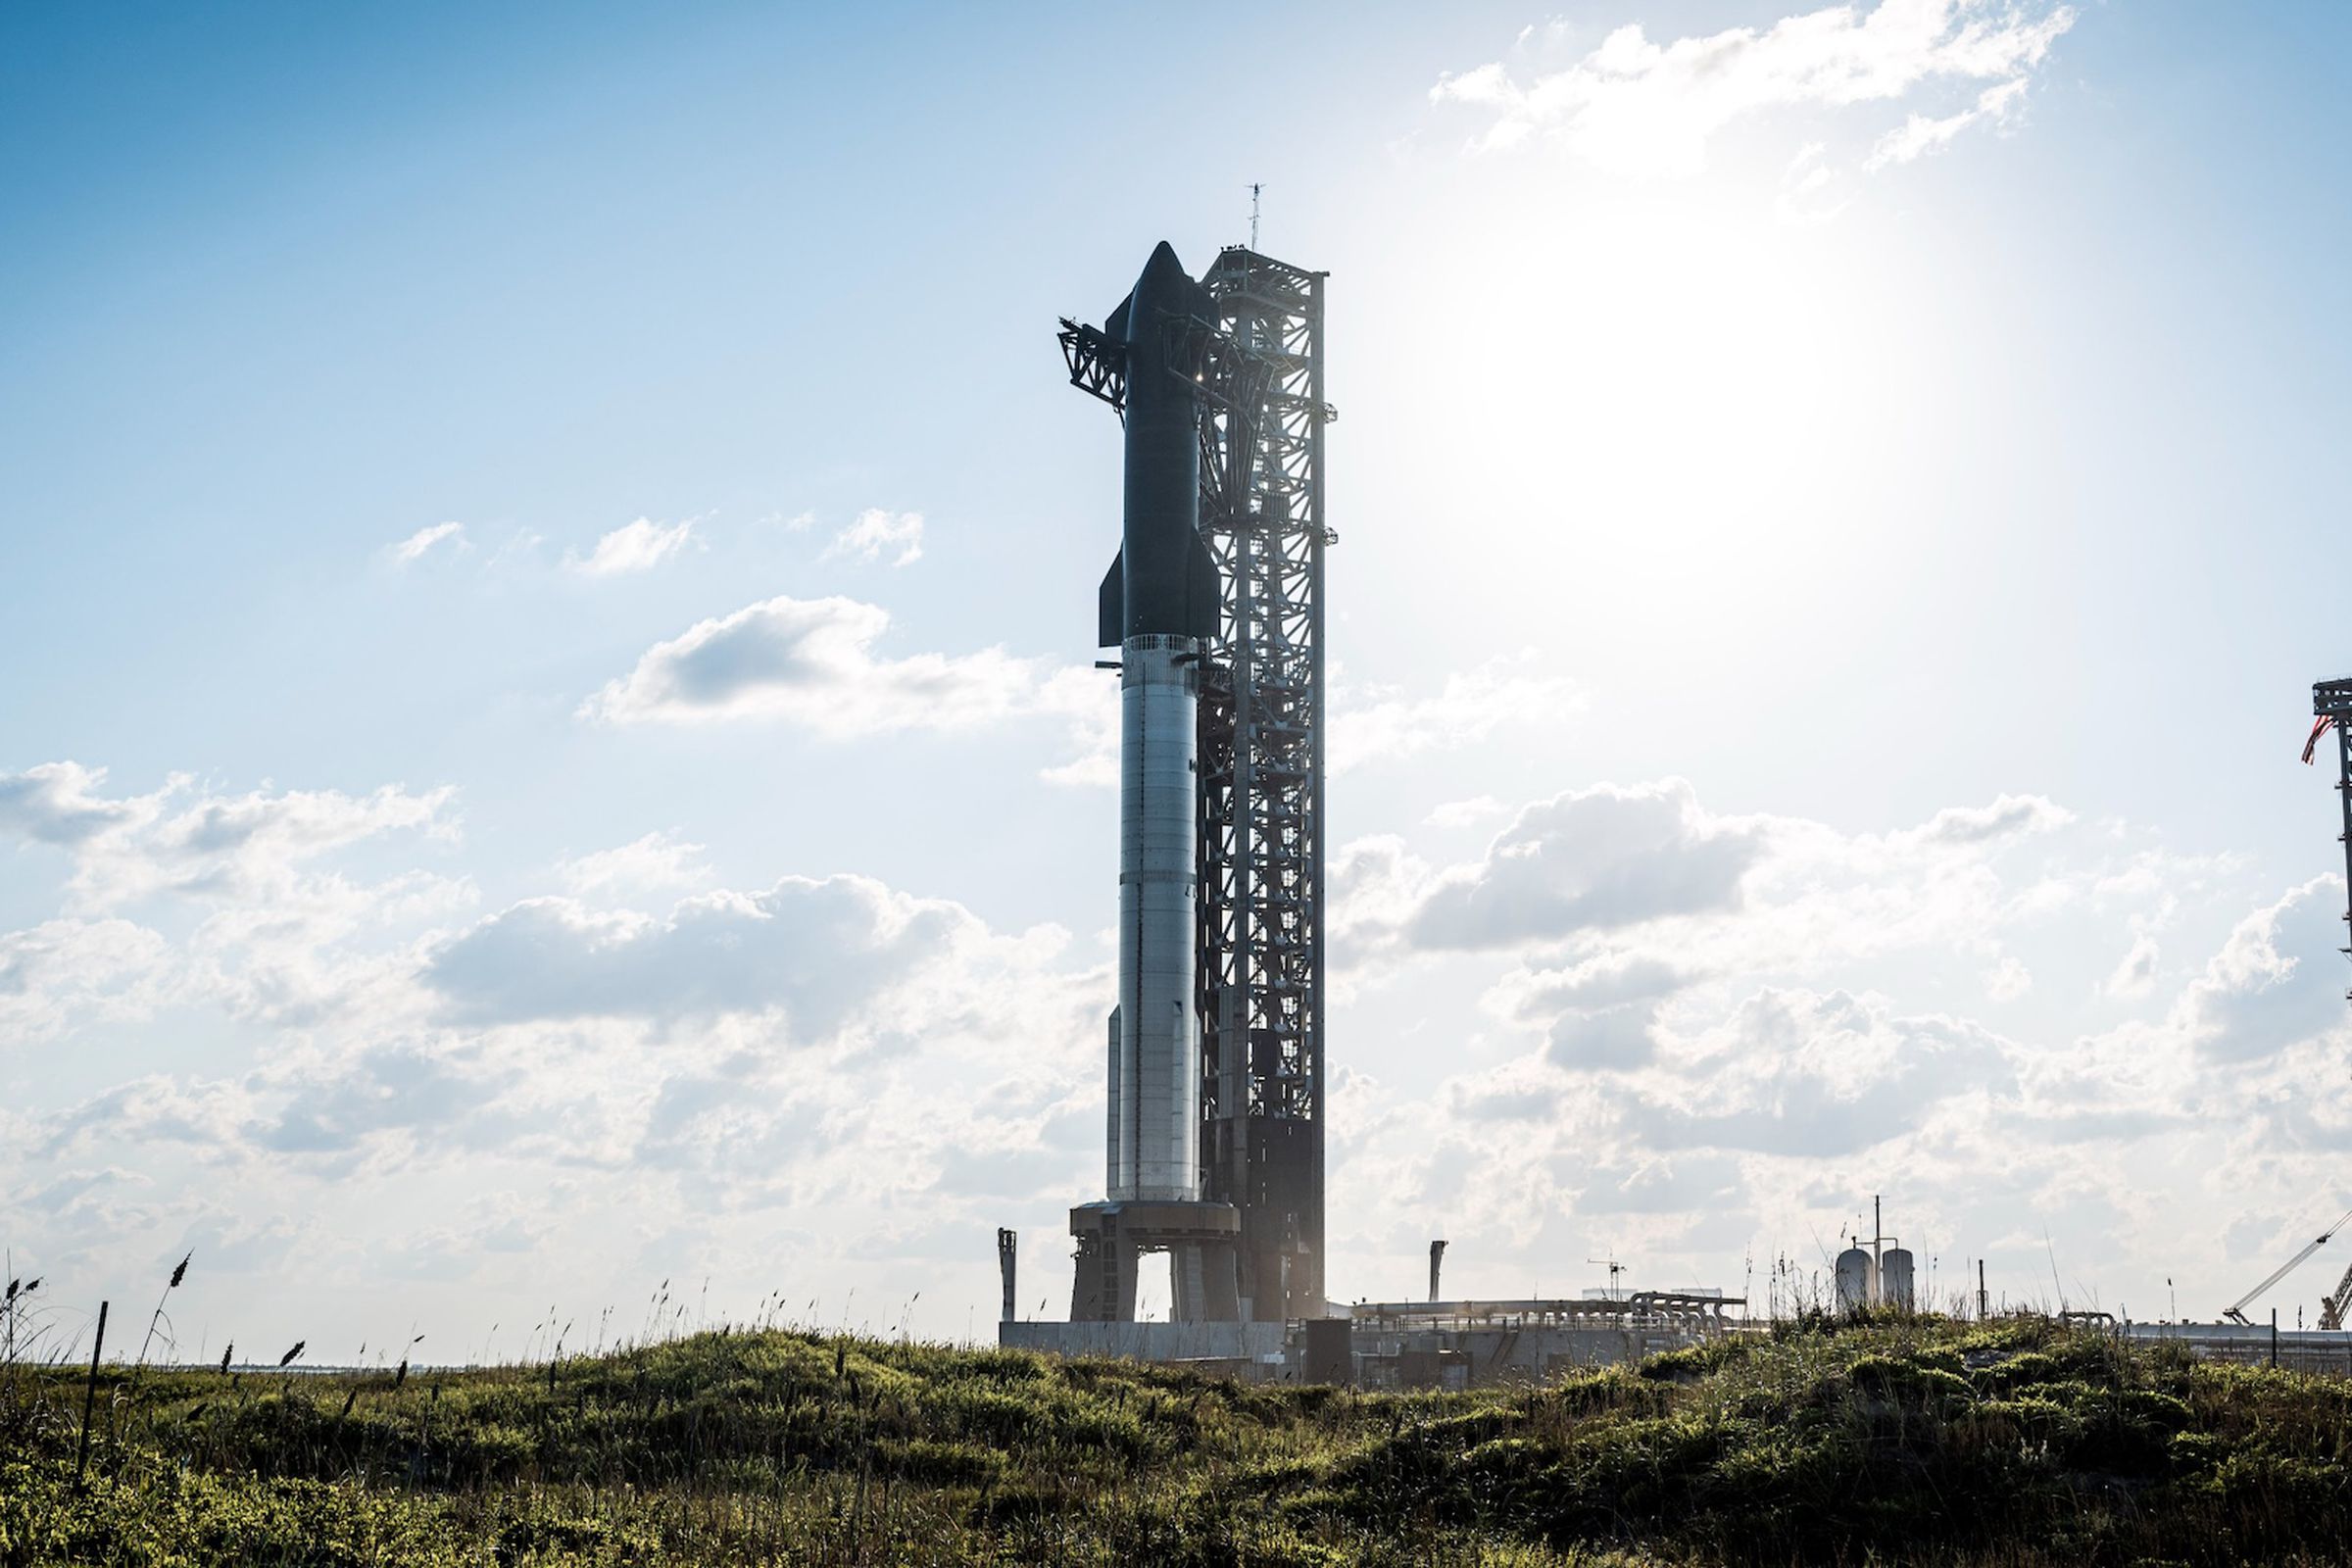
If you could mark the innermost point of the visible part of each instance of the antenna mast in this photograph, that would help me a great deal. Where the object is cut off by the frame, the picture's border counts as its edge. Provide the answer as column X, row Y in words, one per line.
column 1254, row 187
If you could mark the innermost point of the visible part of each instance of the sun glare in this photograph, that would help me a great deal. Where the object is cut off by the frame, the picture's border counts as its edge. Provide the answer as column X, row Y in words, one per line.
column 1680, row 391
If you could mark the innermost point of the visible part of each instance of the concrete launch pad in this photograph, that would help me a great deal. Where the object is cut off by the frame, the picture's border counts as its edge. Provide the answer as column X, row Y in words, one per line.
column 1409, row 1345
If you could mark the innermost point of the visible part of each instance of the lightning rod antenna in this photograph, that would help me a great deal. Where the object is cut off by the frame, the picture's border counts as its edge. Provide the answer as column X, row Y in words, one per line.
column 1254, row 187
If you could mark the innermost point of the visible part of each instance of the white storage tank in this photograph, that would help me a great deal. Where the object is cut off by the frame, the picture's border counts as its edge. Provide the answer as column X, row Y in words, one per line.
column 1896, row 1278
column 1853, row 1279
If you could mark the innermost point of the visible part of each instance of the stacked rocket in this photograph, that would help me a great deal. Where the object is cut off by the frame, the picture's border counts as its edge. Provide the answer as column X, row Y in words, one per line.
column 1159, row 605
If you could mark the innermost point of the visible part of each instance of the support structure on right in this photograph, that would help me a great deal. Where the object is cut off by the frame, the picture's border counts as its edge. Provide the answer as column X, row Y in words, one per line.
column 2332, row 708
column 1261, row 781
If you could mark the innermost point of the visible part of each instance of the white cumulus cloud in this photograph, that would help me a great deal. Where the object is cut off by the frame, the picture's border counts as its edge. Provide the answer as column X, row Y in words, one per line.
column 811, row 661
column 1384, row 724
column 2135, row 974
column 1921, row 134
column 1465, row 813
column 194, row 843
column 416, row 546
column 1638, row 108
column 652, row 861
column 634, row 547
column 1591, row 859
column 876, row 531
column 63, row 972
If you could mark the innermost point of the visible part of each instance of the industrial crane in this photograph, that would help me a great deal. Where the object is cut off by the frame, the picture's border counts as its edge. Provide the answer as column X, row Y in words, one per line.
column 2235, row 1311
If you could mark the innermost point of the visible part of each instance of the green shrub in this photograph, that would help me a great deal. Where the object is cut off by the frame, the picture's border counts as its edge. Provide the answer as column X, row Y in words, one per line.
column 1889, row 1440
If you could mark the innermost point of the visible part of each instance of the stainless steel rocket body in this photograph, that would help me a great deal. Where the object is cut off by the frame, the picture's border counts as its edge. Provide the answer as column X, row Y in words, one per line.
column 1158, row 604
column 1156, row 1072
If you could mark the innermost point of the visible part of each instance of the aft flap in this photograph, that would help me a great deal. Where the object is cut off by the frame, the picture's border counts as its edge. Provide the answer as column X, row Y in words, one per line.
column 1111, row 603
column 1203, row 592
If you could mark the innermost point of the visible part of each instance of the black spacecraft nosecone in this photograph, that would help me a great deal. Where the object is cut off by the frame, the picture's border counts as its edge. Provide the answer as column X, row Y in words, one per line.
column 1163, row 580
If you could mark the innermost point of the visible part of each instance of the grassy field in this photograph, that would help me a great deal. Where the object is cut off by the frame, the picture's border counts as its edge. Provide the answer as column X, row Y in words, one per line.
column 1916, row 1442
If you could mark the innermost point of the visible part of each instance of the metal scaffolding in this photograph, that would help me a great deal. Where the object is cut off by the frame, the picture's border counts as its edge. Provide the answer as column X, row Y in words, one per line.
column 2332, row 706
column 1261, row 776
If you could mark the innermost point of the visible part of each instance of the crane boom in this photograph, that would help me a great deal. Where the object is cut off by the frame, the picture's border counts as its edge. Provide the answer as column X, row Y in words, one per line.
column 2235, row 1311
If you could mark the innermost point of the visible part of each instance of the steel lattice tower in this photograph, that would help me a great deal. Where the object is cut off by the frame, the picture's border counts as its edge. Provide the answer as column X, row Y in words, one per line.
column 2332, row 704
column 1262, row 779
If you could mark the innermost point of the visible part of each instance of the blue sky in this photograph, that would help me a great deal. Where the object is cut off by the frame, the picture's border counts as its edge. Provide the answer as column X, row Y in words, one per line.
column 1837, row 527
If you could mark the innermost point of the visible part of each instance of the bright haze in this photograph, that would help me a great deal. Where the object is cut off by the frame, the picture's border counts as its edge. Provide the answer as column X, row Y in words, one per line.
column 548, row 740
